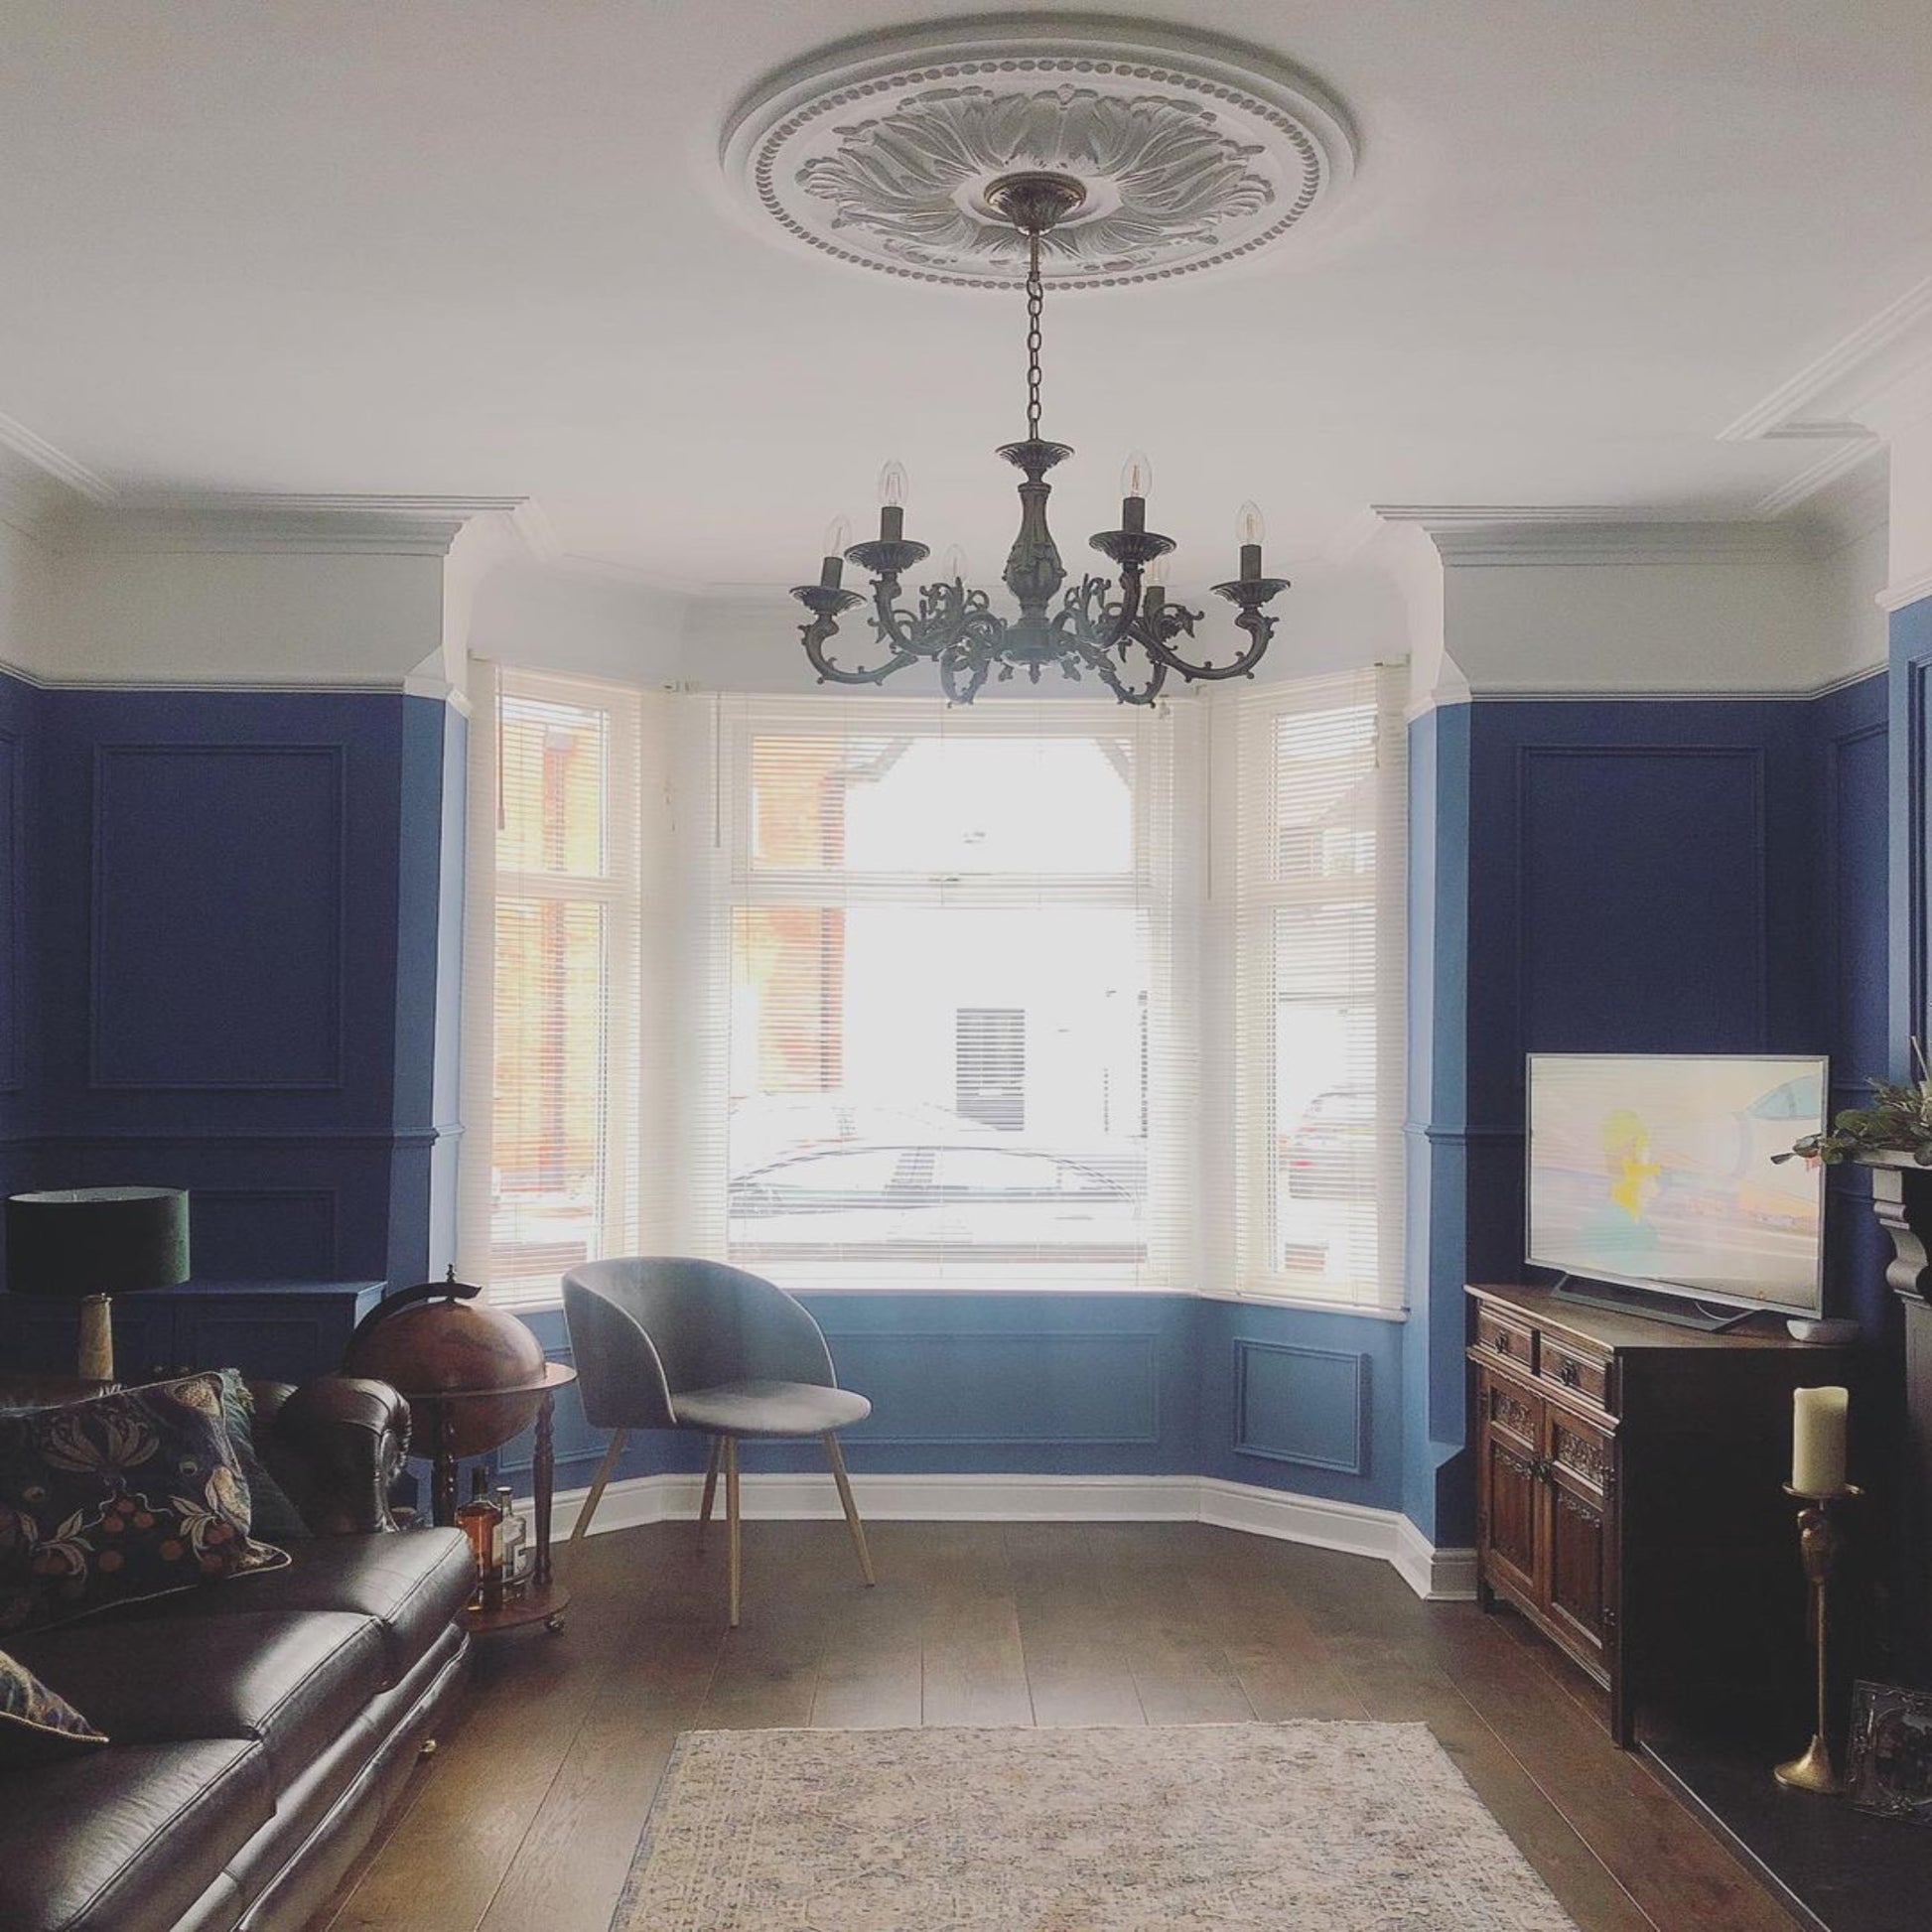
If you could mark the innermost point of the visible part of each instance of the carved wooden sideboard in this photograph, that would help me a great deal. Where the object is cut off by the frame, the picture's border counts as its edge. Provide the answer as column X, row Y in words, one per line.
column 1629, row 1493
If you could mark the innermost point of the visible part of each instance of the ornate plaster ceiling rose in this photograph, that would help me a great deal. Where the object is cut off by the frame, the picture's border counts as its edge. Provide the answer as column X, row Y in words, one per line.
column 1192, row 151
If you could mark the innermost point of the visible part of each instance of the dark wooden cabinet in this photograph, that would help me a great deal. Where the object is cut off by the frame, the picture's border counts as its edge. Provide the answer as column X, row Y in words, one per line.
column 1629, row 1498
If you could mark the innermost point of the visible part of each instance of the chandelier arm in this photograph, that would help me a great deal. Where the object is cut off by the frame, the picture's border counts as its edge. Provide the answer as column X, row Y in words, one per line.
column 1259, row 625
column 1129, row 610
column 910, row 636
column 978, row 661
column 819, row 632
column 1100, row 661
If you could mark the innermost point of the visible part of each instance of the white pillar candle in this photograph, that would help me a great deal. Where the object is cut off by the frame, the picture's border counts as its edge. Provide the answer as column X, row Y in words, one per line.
column 1818, row 1441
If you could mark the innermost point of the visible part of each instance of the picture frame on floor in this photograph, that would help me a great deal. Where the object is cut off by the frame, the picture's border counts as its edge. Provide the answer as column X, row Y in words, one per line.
column 1889, row 1768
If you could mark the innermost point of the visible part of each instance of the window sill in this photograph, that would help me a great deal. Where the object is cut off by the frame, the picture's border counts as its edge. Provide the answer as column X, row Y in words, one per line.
column 530, row 1304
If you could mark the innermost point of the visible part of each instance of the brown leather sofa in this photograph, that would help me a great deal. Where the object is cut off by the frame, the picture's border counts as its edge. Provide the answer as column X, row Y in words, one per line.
column 261, row 1725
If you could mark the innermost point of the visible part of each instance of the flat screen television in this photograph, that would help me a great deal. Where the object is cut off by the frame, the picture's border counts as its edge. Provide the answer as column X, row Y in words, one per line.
column 1654, row 1171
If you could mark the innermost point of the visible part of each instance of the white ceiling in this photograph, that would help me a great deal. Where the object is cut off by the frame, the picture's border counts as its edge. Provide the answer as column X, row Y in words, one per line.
column 468, row 247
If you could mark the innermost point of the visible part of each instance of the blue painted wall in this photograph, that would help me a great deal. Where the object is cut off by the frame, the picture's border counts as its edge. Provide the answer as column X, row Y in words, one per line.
column 20, row 1043
column 229, row 961
column 1606, row 876
column 1076, row 1384
column 237, row 907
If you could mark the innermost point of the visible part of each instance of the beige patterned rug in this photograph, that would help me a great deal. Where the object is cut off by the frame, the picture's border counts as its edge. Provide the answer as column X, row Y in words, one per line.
column 1313, row 1826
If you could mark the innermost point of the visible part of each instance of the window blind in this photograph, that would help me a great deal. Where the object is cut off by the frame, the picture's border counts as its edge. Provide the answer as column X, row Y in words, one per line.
column 561, row 1056
column 1310, row 888
column 954, row 1045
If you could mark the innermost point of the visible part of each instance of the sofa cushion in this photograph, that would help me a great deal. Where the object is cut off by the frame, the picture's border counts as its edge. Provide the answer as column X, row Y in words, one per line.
column 35, row 1721
column 294, row 1682
column 412, row 1585
column 127, row 1496
column 127, row 1839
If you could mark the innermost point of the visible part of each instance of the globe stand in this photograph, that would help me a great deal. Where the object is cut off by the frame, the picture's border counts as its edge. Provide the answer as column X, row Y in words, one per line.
column 542, row 1600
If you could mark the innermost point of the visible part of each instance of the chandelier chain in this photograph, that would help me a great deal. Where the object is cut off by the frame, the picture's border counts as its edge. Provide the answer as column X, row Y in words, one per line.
column 1035, row 303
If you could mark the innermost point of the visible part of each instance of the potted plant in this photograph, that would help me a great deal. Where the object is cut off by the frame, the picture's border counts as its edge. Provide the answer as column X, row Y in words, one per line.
column 1894, row 1130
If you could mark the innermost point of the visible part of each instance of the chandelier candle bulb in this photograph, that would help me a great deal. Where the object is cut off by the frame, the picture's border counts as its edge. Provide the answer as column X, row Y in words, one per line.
column 838, row 533
column 1248, row 532
column 891, row 502
column 1135, row 480
column 1818, row 1461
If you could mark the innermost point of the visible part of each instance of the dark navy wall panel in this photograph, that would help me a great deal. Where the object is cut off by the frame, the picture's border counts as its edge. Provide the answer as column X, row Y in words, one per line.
column 1644, row 866
column 215, row 772
column 1644, row 877
column 1636, row 876
column 218, row 918
column 20, row 709
column 1854, row 938
column 1910, row 814
column 242, row 910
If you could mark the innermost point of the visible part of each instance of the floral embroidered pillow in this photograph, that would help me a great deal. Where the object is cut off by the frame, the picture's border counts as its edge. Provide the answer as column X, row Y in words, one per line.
column 120, row 1498
column 36, row 1723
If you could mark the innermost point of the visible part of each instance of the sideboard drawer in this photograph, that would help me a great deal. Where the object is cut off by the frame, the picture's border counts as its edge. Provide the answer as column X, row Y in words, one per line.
column 1574, row 1368
column 1506, row 1341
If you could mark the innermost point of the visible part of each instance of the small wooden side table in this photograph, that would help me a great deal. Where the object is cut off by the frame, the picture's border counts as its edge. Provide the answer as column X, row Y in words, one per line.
column 542, row 1600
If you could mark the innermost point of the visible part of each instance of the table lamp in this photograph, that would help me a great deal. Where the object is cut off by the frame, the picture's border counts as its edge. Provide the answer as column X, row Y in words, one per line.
column 93, row 1242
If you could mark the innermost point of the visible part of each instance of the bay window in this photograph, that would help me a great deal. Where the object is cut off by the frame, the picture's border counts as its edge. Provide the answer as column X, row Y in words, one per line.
column 861, row 991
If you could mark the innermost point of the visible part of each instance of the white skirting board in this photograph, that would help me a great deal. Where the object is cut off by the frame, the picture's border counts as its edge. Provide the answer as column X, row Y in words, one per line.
column 1436, row 1575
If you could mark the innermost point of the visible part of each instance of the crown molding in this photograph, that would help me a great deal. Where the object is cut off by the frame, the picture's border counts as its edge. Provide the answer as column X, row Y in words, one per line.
column 56, row 464
column 246, row 523
column 1855, row 502
column 1824, row 398
column 337, row 687
column 1526, row 536
column 1644, row 694
column 1850, row 449
column 1850, row 398
column 1895, row 597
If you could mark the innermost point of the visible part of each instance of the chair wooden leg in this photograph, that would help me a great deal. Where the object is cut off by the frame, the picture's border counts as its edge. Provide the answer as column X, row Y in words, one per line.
column 732, row 1519
column 710, row 1488
column 836, row 1456
column 603, row 1471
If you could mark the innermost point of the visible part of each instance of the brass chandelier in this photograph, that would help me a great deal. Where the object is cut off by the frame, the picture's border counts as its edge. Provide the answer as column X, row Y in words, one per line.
column 1126, row 640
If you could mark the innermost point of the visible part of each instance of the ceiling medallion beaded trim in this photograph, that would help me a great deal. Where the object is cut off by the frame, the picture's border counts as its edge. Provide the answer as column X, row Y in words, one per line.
column 1193, row 152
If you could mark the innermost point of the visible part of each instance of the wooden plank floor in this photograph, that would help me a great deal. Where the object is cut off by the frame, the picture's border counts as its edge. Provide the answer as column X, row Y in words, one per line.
column 527, row 1817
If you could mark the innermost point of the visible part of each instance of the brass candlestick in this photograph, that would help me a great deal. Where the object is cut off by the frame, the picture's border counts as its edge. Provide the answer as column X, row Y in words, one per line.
column 1819, row 1540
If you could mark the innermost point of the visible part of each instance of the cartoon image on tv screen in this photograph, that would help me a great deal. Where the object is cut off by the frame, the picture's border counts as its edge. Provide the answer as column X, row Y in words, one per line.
column 1660, row 1170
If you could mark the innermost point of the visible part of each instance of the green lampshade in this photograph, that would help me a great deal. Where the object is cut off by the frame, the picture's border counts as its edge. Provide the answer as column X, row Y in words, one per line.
column 96, row 1240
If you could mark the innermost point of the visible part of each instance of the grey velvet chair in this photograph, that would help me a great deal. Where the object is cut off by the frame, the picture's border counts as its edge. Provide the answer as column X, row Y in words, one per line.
column 668, row 1343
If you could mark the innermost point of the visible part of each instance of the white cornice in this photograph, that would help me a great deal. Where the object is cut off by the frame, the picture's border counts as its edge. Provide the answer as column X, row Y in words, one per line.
column 1848, row 399
column 53, row 463
column 339, row 687
column 298, row 525
column 1825, row 396
column 1528, row 537
column 1855, row 503
column 1895, row 597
